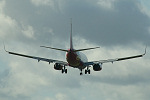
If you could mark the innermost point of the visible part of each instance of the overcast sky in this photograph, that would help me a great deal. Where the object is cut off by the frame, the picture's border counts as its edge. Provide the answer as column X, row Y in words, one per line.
column 120, row 27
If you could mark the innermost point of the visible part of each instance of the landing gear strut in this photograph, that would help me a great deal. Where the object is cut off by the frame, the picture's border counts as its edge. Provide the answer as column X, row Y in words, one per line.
column 64, row 70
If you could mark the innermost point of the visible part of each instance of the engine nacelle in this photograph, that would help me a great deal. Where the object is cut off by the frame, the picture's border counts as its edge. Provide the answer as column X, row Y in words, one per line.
column 58, row 66
column 97, row 67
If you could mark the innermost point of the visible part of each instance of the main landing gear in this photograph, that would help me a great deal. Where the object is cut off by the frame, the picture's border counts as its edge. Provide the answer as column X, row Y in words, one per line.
column 64, row 70
column 87, row 71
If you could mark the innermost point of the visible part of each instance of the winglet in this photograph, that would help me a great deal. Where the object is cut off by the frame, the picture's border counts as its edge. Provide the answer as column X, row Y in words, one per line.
column 4, row 47
column 145, row 51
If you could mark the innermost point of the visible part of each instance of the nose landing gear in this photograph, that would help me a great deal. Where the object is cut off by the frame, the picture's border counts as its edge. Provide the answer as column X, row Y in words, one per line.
column 81, row 72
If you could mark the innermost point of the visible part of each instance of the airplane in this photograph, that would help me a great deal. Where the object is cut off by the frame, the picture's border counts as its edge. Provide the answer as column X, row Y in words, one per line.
column 75, row 59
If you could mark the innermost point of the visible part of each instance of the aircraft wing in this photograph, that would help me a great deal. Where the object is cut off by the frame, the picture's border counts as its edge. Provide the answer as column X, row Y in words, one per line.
column 39, row 58
column 113, row 60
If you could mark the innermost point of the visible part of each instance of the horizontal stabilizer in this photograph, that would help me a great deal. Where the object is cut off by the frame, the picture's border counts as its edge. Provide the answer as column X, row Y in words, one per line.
column 86, row 49
column 55, row 48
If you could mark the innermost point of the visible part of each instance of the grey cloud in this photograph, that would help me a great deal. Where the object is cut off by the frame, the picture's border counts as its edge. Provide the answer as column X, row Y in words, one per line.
column 67, row 82
column 42, row 19
column 123, row 25
column 120, row 80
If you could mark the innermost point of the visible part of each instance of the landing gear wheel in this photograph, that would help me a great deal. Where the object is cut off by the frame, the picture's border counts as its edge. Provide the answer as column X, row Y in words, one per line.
column 66, row 71
column 62, row 71
column 89, row 71
column 85, row 71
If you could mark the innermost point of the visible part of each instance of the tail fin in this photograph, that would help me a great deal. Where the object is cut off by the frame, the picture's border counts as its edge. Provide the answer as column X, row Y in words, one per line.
column 71, row 43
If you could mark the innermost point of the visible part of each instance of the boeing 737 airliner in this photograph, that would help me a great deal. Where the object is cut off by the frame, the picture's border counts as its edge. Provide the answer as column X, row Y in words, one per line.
column 75, row 59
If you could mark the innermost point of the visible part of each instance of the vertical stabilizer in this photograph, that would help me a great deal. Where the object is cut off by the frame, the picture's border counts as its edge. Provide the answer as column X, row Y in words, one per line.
column 71, row 43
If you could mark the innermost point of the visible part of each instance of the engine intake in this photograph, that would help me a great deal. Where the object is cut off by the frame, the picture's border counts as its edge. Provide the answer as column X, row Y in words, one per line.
column 58, row 66
column 97, row 67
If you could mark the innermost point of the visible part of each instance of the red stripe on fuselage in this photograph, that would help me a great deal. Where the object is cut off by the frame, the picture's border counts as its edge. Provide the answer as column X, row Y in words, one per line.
column 73, row 59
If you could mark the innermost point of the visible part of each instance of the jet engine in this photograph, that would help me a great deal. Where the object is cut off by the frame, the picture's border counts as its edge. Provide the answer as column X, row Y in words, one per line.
column 58, row 66
column 97, row 67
